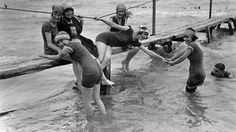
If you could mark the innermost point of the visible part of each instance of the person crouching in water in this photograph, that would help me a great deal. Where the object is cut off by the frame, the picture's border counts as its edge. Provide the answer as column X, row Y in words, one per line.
column 219, row 71
column 91, row 70
column 195, row 55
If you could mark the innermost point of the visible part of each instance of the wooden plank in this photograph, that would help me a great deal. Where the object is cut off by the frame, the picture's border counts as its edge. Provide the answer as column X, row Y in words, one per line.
column 28, row 66
column 37, row 64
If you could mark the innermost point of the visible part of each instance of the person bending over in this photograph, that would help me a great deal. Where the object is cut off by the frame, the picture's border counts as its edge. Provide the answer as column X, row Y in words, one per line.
column 91, row 70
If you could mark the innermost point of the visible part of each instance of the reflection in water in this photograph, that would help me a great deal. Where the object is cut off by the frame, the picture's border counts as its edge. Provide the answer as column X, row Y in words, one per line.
column 195, row 110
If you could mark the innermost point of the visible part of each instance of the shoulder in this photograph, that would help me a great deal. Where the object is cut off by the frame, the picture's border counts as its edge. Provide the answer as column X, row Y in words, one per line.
column 46, row 24
column 228, row 74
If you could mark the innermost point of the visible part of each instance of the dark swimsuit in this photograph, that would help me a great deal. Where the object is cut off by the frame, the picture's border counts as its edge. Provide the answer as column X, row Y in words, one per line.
column 91, row 71
column 118, row 39
column 196, row 70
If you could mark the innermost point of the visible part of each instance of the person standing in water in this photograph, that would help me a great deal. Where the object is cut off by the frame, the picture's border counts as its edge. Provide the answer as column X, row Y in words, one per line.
column 195, row 56
column 91, row 70
column 106, row 40
column 73, row 25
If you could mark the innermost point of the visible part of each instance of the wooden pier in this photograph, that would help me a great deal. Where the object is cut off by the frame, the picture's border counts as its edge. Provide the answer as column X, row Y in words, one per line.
column 37, row 64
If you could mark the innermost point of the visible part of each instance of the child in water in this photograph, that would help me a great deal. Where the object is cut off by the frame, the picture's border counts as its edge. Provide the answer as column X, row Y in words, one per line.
column 219, row 71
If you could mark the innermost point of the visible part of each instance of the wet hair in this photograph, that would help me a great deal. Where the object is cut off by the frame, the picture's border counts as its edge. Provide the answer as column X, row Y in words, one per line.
column 194, row 37
column 220, row 66
column 56, row 9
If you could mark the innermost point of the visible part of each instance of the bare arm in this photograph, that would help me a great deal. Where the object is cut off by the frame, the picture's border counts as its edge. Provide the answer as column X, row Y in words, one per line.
column 112, row 24
column 177, row 55
column 151, row 53
column 65, row 52
column 181, row 58
column 49, row 42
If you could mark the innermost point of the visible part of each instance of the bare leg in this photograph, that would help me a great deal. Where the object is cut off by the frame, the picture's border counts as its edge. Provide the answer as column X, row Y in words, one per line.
column 101, row 50
column 78, row 73
column 105, row 81
column 107, row 57
column 97, row 99
column 87, row 96
column 130, row 55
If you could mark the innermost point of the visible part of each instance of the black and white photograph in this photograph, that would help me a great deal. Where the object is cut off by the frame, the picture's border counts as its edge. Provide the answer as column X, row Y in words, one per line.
column 117, row 66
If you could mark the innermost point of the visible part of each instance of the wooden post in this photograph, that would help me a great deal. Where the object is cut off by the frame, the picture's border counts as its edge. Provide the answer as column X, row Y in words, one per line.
column 208, row 33
column 210, row 9
column 105, row 89
column 234, row 23
column 154, row 17
column 231, row 32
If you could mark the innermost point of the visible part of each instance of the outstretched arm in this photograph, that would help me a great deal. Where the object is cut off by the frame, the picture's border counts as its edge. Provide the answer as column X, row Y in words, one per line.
column 65, row 52
column 151, row 53
column 112, row 24
column 180, row 53
column 182, row 57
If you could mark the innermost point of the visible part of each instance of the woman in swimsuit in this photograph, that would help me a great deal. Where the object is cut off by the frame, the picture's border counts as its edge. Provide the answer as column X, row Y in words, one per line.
column 91, row 70
column 195, row 56
column 106, row 40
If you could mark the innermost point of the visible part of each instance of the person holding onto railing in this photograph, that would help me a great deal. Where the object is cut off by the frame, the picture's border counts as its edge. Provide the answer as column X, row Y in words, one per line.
column 49, row 31
column 91, row 70
column 195, row 55
column 106, row 40
column 121, row 18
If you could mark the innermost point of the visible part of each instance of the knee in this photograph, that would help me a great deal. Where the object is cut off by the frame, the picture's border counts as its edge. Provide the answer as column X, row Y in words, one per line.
column 107, row 58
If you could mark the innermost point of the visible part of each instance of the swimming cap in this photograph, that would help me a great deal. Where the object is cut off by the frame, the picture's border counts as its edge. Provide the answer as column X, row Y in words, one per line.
column 143, row 29
column 62, row 35
column 120, row 7
column 57, row 9
column 66, row 8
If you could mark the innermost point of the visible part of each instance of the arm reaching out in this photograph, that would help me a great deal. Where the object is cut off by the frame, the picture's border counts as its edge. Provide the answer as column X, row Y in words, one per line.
column 112, row 24
column 151, row 53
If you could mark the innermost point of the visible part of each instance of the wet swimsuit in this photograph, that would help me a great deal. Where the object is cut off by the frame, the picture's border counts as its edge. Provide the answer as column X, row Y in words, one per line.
column 91, row 71
column 114, row 19
column 196, row 71
column 47, row 27
column 118, row 39
column 224, row 75
column 74, row 27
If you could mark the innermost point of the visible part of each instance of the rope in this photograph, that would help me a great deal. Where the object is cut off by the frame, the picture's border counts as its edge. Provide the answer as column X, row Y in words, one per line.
column 128, row 8
column 44, row 12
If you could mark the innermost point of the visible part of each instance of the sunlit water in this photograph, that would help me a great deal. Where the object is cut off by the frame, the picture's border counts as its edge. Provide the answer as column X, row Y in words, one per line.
column 150, row 98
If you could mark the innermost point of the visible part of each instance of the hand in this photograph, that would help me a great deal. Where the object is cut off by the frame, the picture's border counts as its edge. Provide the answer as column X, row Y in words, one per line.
column 42, row 55
column 171, row 63
column 97, row 18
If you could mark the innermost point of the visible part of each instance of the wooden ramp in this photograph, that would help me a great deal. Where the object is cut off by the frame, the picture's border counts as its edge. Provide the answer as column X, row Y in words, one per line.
column 38, row 64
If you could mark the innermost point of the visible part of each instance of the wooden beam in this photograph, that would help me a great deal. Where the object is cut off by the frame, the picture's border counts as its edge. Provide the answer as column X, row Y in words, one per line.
column 37, row 64
column 28, row 66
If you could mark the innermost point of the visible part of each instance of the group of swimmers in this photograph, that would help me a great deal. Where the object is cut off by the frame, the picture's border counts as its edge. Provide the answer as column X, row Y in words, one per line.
column 62, row 40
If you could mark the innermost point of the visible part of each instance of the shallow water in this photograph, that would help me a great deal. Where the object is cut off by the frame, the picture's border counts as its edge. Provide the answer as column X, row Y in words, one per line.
column 150, row 97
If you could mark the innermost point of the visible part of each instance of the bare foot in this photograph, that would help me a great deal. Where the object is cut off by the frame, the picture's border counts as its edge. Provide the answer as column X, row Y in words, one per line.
column 107, row 82
column 125, row 66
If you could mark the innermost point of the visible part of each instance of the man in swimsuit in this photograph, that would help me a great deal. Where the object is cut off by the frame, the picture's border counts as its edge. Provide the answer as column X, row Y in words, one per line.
column 219, row 71
column 106, row 40
column 195, row 56
column 91, row 70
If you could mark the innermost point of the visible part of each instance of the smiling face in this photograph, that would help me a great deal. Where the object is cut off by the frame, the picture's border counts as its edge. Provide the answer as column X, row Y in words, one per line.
column 188, row 35
column 69, row 13
column 56, row 16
